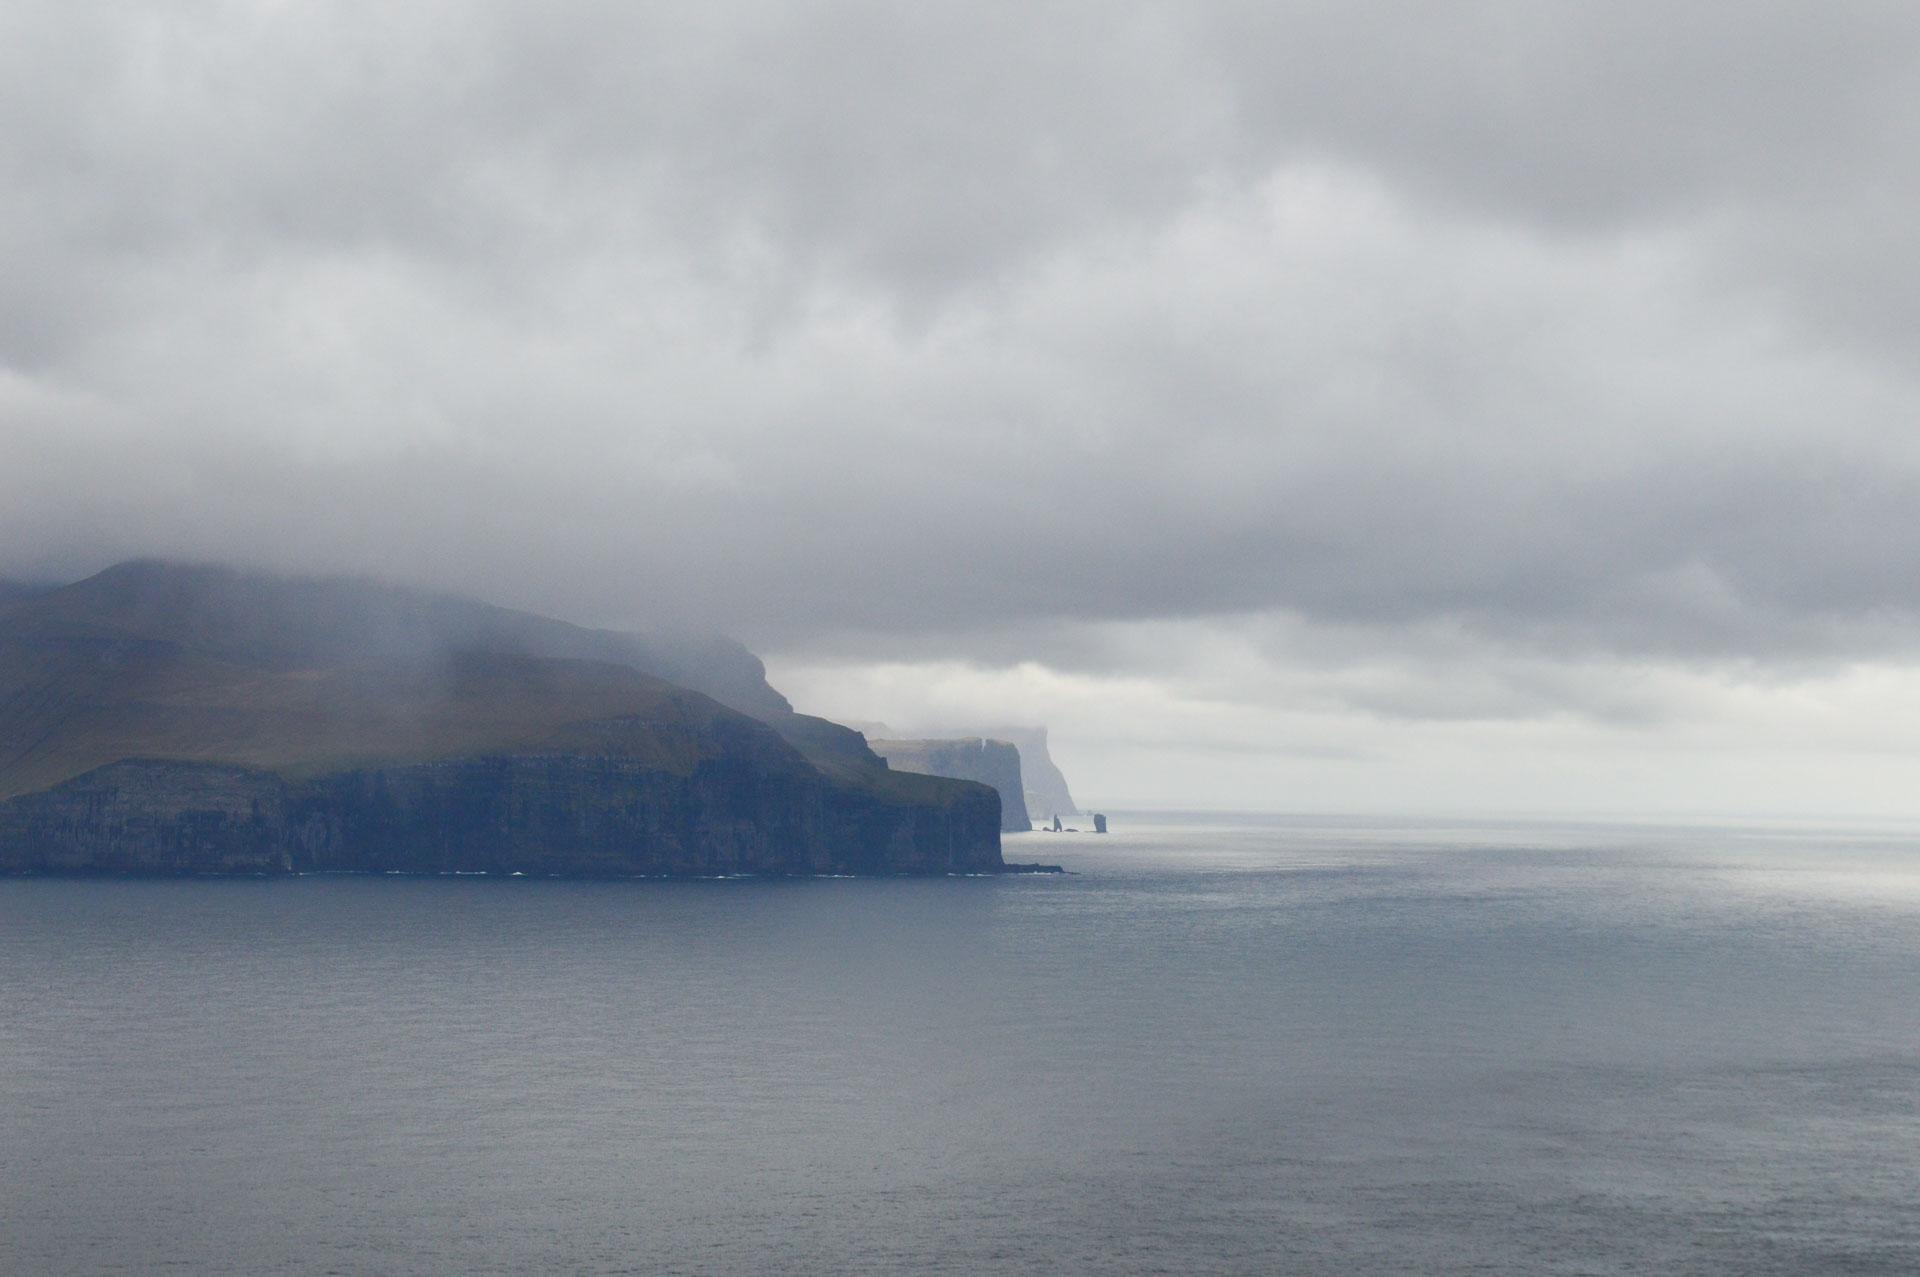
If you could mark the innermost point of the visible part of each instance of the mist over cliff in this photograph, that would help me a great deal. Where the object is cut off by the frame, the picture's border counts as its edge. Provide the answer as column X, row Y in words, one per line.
column 285, row 618
column 187, row 718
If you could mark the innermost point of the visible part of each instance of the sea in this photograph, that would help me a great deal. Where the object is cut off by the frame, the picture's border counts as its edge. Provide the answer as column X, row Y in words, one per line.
column 1219, row 1044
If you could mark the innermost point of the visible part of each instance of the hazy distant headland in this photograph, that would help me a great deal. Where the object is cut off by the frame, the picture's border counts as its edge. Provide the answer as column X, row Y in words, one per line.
column 168, row 718
column 1014, row 760
column 1045, row 787
column 991, row 762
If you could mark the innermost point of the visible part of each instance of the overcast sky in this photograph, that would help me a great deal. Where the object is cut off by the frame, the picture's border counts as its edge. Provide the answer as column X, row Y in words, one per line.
column 1311, row 406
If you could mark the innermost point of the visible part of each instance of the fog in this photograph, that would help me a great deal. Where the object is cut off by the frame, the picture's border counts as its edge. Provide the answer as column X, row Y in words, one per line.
column 1486, row 407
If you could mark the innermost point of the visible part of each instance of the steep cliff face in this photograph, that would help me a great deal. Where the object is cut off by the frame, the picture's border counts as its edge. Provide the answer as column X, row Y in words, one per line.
column 990, row 762
column 1046, row 786
column 209, row 724
column 572, row 815
column 152, row 817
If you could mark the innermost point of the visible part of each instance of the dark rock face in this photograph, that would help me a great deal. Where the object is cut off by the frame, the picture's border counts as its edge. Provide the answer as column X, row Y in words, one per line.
column 165, row 719
column 603, row 815
column 576, row 815
column 153, row 817
column 991, row 762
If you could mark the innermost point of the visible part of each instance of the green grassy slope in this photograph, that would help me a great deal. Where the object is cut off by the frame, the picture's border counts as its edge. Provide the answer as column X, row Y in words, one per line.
column 307, row 675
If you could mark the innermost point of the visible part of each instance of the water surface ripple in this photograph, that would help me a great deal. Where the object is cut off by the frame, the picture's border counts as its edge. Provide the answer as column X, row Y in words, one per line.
column 1218, row 1046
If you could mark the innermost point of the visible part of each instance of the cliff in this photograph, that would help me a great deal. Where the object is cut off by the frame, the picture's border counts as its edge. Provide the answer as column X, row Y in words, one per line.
column 577, row 815
column 1046, row 787
column 193, row 720
column 991, row 762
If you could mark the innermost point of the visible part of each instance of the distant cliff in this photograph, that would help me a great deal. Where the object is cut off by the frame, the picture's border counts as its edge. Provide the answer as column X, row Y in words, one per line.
column 1046, row 787
column 991, row 762
column 168, row 719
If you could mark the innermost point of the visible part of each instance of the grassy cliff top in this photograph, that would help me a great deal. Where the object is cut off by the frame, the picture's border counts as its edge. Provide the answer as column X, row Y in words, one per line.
column 305, row 675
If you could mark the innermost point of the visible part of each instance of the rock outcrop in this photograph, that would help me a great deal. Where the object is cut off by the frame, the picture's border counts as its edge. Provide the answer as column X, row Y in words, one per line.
column 991, row 762
column 158, row 719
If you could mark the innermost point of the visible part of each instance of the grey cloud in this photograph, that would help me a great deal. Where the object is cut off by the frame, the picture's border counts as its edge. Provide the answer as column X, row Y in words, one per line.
column 1575, row 329
column 1587, row 115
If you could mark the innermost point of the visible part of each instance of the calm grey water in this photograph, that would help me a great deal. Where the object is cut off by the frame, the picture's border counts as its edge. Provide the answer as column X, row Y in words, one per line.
column 1262, row 1046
